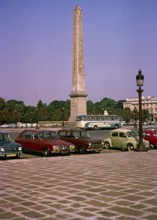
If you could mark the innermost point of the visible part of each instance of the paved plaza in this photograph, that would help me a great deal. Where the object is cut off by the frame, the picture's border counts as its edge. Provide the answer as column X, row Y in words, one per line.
column 109, row 185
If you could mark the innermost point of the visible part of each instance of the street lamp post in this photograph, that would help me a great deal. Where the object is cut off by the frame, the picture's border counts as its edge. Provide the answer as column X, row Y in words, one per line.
column 135, row 117
column 63, row 116
column 140, row 81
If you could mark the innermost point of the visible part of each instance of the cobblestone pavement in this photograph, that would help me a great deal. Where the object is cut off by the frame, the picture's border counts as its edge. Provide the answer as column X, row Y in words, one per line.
column 119, row 186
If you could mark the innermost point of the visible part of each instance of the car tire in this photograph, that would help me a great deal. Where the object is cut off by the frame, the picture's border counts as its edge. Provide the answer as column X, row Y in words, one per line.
column 130, row 147
column 107, row 145
column 18, row 156
column 151, row 146
column 81, row 149
column 45, row 152
column 95, row 127
column 116, row 126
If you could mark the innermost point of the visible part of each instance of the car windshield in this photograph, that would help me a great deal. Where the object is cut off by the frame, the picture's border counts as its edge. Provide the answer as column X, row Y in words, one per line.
column 81, row 134
column 132, row 134
column 4, row 138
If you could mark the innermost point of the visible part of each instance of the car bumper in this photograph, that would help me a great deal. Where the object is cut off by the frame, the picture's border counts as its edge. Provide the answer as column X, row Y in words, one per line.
column 94, row 149
column 60, row 151
column 10, row 154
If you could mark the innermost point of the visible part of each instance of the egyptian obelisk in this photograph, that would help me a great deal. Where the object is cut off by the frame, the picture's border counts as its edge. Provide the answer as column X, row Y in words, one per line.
column 78, row 95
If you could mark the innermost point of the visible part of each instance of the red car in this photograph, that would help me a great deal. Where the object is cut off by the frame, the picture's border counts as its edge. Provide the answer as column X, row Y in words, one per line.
column 81, row 139
column 150, row 136
column 45, row 142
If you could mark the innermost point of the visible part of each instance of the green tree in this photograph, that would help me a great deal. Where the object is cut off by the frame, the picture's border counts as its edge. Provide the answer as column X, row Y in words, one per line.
column 127, row 114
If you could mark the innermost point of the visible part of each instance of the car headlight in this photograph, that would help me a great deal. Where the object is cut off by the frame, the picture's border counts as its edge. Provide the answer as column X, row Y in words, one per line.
column 56, row 147
column 1, row 149
column 72, row 147
column 20, row 148
column 102, row 142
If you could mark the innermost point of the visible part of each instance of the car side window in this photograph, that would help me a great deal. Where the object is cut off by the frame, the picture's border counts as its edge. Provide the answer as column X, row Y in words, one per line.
column 115, row 134
column 147, row 135
column 155, row 135
column 122, row 134
column 69, row 135
column 46, row 135
column 34, row 135
column 62, row 134
column 40, row 135
column 27, row 135
column 1, row 137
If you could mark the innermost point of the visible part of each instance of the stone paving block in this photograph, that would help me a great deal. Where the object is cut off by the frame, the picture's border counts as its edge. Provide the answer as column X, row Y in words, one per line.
column 96, row 203
column 127, row 218
column 153, row 209
column 151, row 217
column 7, row 215
column 76, row 198
column 134, row 198
column 126, row 210
column 151, row 201
column 114, row 193
column 50, row 211
column 32, row 214
column 108, row 214
column 86, row 215
column 123, row 202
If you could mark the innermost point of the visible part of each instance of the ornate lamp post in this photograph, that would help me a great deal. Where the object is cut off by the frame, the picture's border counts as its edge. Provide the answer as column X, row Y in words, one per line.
column 140, row 81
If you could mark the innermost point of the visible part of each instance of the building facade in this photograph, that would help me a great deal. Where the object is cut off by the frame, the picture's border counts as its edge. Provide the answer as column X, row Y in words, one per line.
column 149, row 103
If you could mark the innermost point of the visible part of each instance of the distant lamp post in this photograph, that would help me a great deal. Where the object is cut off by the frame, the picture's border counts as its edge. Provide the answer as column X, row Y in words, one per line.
column 139, row 82
column 135, row 117
column 63, row 117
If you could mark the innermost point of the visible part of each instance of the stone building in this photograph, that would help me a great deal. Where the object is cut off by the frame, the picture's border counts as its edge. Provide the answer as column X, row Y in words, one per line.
column 149, row 103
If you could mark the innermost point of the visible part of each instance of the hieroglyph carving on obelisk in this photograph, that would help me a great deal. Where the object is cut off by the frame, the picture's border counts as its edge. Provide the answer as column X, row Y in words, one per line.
column 78, row 95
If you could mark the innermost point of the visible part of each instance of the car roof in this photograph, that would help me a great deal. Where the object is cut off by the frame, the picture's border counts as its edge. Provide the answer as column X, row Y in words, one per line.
column 149, row 131
column 72, row 129
column 121, row 130
column 39, row 130
column 150, row 128
column 3, row 132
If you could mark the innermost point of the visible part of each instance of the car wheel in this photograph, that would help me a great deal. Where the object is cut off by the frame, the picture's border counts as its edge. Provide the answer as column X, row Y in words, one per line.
column 116, row 126
column 130, row 147
column 95, row 127
column 151, row 146
column 107, row 145
column 45, row 152
column 18, row 156
column 81, row 149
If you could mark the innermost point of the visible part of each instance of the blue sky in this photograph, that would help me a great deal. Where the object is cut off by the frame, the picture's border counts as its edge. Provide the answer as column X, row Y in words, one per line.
column 120, row 37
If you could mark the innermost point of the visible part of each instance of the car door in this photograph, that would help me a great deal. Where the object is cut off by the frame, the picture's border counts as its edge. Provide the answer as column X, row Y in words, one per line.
column 121, row 139
column 35, row 142
column 114, row 139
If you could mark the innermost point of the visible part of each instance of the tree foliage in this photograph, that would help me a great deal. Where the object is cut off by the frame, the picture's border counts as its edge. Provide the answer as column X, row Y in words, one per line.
column 13, row 111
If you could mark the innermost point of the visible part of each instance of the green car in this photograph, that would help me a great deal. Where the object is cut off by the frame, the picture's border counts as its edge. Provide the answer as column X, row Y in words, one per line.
column 123, row 139
column 9, row 148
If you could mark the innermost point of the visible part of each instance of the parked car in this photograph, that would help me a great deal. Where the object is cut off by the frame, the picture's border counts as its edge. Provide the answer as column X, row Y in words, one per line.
column 45, row 142
column 135, row 134
column 150, row 136
column 123, row 139
column 82, row 140
column 9, row 148
column 151, row 129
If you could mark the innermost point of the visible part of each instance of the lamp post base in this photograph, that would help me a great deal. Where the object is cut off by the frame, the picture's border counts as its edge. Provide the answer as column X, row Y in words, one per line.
column 141, row 148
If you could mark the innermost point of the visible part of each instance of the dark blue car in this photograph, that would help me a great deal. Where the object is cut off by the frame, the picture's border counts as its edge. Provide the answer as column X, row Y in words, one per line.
column 9, row 148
